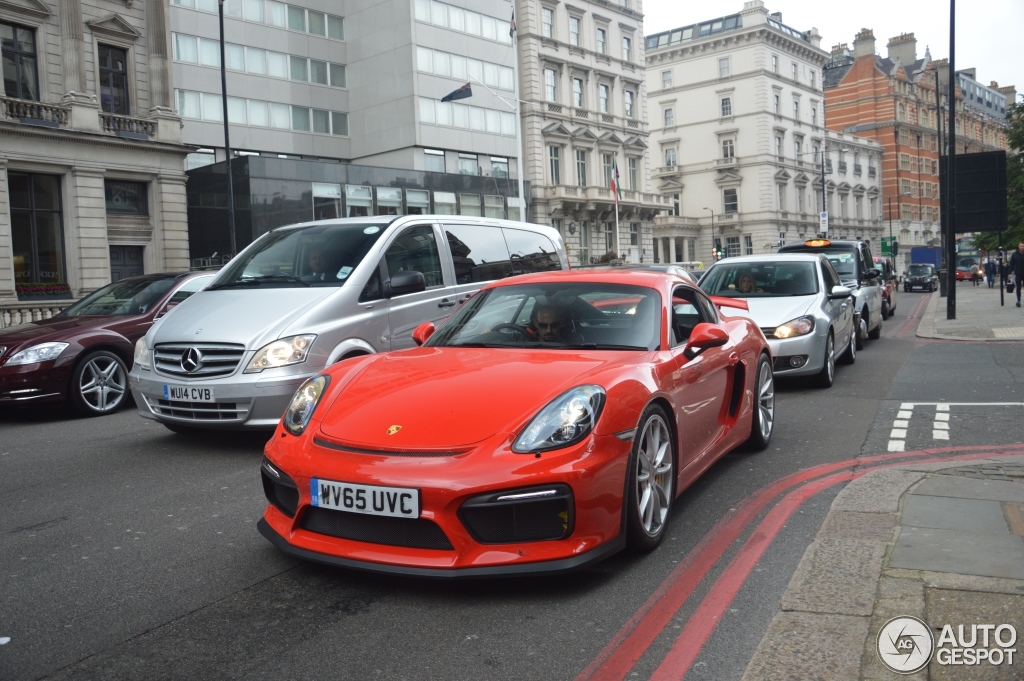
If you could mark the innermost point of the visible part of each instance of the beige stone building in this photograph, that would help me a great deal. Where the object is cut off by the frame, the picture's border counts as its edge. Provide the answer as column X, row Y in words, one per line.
column 92, row 182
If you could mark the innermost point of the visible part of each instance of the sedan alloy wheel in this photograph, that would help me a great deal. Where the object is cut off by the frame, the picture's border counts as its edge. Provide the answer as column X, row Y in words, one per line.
column 99, row 384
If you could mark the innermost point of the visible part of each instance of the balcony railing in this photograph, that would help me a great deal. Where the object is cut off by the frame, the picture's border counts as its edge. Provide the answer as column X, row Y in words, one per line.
column 632, row 123
column 555, row 108
column 726, row 161
column 22, row 109
column 128, row 125
column 15, row 314
column 842, row 166
column 857, row 169
column 582, row 113
column 871, row 171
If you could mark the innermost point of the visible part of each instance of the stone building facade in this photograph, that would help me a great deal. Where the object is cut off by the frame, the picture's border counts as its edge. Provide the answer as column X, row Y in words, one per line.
column 92, row 183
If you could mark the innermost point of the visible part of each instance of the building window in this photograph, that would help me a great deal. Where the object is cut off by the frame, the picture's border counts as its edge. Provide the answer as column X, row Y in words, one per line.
column 858, row 207
column 547, row 21
column 550, row 90
column 777, row 105
column 728, row 149
column 417, row 201
column 499, row 167
column 800, row 199
column 581, row 167
column 602, row 39
column 793, row 70
column 782, row 196
column 670, row 156
column 433, row 160
column 469, row 204
column 602, row 97
column 670, row 118
column 723, row 67
column 36, row 228
column 634, row 234
column 730, row 202
column 775, row 64
column 726, row 107
column 468, row 164
column 577, row 92
column 732, row 246
column 842, row 205
column 555, row 163
column 359, row 199
column 494, row 206
column 126, row 198
column 574, row 31
column 796, row 110
column 814, row 115
column 748, row 245
column 629, row 104
column 666, row 79
column 113, row 80
column 444, row 203
column 327, row 201
column 19, row 59
column 798, row 148
column 812, row 79
column 200, row 158
column 778, row 146
column 633, row 174
column 607, row 165
column 627, row 48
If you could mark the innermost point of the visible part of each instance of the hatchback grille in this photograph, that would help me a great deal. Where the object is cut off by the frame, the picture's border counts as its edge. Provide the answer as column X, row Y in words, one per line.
column 200, row 411
column 215, row 359
column 383, row 452
column 768, row 331
column 415, row 533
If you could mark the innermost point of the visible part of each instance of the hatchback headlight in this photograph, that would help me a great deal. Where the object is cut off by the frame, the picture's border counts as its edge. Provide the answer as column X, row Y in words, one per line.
column 564, row 421
column 796, row 327
column 143, row 358
column 281, row 353
column 300, row 409
column 37, row 353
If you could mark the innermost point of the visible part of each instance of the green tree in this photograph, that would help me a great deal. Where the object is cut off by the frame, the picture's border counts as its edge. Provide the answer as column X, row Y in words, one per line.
column 1014, row 233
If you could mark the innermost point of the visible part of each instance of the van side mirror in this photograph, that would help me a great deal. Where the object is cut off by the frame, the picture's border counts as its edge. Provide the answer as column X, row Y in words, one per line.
column 873, row 273
column 403, row 283
column 423, row 332
column 840, row 292
column 705, row 336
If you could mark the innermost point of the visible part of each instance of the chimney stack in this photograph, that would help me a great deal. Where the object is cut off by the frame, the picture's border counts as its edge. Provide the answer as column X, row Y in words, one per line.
column 864, row 43
column 904, row 48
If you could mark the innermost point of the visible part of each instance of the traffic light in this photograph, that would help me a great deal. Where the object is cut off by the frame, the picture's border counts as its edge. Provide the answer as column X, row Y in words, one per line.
column 717, row 251
column 895, row 248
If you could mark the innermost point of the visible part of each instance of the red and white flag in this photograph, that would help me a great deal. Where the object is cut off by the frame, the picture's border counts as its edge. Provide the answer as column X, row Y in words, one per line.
column 615, row 184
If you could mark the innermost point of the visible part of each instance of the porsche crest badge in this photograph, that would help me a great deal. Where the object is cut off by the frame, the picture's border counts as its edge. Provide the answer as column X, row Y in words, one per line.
column 394, row 429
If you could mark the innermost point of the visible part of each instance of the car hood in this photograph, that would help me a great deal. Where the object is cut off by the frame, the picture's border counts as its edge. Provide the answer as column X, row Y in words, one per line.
column 451, row 398
column 247, row 317
column 57, row 328
column 771, row 312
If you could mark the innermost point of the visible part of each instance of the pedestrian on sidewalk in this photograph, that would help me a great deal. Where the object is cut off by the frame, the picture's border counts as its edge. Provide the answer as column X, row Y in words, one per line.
column 975, row 274
column 1017, row 269
column 990, row 272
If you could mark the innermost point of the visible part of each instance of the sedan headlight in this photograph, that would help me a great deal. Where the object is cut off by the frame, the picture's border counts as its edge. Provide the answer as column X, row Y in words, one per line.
column 37, row 353
column 566, row 420
column 797, row 327
column 281, row 353
column 300, row 409
column 143, row 358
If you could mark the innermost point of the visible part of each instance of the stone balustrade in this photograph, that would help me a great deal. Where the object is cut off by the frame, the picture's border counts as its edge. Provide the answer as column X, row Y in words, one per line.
column 18, row 109
column 15, row 314
column 115, row 124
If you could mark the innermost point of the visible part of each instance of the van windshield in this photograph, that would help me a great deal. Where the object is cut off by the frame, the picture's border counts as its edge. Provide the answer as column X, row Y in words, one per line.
column 321, row 255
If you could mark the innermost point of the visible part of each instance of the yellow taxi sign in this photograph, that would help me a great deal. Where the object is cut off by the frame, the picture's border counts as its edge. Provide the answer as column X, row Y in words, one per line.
column 817, row 243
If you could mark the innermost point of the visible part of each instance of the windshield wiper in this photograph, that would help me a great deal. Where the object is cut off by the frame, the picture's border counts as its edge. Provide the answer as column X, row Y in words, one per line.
column 258, row 281
column 601, row 346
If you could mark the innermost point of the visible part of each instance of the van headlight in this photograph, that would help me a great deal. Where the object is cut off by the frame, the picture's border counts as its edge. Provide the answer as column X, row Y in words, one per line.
column 300, row 409
column 564, row 421
column 281, row 353
column 37, row 353
column 143, row 358
column 796, row 327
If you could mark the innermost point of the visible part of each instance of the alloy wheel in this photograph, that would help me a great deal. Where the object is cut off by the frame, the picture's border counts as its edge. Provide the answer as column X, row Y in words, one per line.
column 830, row 358
column 766, row 402
column 654, row 475
column 103, row 384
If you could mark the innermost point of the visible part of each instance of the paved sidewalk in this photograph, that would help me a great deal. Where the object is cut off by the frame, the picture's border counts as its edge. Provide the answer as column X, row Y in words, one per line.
column 979, row 316
column 940, row 542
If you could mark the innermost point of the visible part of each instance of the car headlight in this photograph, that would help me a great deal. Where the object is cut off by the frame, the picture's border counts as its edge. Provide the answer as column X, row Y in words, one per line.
column 281, row 353
column 796, row 327
column 564, row 421
column 143, row 358
column 300, row 409
column 37, row 353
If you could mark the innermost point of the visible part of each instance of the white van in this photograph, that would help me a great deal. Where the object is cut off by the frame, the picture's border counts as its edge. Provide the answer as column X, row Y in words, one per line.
column 305, row 296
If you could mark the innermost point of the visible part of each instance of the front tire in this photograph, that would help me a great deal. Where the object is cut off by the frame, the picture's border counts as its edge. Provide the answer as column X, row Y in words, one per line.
column 885, row 310
column 850, row 356
column 762, row 420
column 876, row 333
column 99, row 384
column 862, row 329
column 650, row 481
column 826, row 377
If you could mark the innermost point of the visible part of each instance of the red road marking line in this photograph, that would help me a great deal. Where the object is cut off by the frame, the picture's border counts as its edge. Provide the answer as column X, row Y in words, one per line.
column 709, row 613
column 626, row 647
column 913, row 316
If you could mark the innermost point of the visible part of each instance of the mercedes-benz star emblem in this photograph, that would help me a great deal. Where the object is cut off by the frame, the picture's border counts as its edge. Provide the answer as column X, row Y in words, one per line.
column 192, row 360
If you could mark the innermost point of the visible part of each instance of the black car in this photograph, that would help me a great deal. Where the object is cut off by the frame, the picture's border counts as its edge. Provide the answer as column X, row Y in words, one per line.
column 921, row 276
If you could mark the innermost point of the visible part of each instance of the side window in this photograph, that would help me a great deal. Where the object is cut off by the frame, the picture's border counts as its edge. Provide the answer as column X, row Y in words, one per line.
column 415, row 250
column 479, row 253
column 867, row 262
column 530, row 251
column 829, row 273
column 708, row 309
column 687, row 312
column 371, row 291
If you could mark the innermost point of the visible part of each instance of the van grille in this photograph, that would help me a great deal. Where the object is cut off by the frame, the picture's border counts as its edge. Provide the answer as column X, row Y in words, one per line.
column 212, row 359
column 200, row 411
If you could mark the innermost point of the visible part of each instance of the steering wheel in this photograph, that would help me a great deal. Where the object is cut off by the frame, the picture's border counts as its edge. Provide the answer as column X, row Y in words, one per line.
column 516, row 332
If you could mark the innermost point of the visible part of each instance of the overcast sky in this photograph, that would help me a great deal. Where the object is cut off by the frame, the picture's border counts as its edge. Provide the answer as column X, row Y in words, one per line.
column 990, row 33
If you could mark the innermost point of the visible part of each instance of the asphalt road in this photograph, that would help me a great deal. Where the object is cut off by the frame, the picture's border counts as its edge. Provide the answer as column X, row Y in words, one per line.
column 128, row 552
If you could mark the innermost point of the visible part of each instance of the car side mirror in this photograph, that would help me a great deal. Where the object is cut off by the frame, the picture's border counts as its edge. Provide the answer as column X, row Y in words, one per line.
column 873, row 273
column 840, row 292
column 705, row 336
column 423, row 332
column 404, row 283
column 167, row 308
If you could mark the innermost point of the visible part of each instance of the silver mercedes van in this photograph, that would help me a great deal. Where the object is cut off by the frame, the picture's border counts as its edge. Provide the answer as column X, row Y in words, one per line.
column 305, row 296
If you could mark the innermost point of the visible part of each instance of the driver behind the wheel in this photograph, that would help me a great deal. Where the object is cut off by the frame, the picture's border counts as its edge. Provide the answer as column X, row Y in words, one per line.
column 549, row 323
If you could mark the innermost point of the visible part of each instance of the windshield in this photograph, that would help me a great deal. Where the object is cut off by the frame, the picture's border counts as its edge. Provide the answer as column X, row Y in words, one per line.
column 919, row 270
column 761, row 279
column 322, row 255
column 597, row 315
column 125, row 297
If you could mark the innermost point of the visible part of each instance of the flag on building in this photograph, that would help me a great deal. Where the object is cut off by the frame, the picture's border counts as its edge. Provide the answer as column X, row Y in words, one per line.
column 464, row 92
column 615, row 184
column 512, row 26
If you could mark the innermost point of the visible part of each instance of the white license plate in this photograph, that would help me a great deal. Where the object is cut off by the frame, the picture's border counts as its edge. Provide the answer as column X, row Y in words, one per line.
column 397, row 502
column 188, row 393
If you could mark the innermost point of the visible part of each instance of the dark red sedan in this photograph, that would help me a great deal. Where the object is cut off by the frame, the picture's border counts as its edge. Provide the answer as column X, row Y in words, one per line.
column 82, row 355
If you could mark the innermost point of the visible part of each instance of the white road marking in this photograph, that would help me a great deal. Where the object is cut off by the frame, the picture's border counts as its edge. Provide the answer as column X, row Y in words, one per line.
column 896, row 445
column 907, row 405
column 904, row 414
column 942, row 416
column 940, row 434
column 900, row 424
column 940, row 425
column 898, row 434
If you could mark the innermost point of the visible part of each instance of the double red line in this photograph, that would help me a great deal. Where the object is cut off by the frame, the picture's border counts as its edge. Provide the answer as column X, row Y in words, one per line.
column 629, row 644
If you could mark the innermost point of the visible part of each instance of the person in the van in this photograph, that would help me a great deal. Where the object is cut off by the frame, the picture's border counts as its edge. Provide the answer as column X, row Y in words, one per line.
column 317, row 266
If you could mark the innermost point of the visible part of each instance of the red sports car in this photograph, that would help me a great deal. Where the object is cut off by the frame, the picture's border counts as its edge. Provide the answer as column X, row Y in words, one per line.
column 549, row 423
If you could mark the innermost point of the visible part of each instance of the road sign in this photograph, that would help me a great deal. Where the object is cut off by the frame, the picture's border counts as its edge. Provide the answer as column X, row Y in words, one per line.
column 823, row 224
column 887, row 245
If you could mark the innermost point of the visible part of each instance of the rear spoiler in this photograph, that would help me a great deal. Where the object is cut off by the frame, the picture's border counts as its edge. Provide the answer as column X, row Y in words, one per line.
column 722, row 301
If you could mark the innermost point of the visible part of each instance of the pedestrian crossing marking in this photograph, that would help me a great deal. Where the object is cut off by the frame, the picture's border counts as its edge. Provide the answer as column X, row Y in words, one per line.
column 1009, row 332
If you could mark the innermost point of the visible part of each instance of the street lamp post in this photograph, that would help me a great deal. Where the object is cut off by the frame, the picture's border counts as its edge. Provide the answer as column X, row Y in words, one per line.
column 227, row 137
column 713, row 247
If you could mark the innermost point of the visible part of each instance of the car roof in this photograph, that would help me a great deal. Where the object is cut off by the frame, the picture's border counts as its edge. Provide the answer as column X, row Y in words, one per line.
column 801, row 246
column 773, row 257
column 612, row 275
